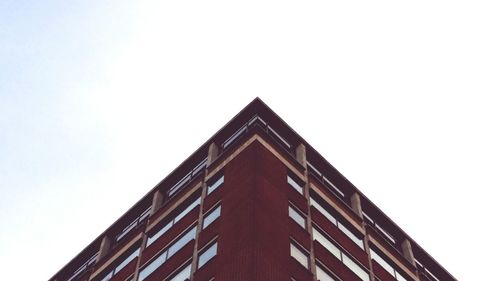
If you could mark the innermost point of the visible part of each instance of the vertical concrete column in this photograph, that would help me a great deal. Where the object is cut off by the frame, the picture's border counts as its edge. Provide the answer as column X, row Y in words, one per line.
column 300, row 154
column 157, row 201
column 213, row 152
column 356, row 204
column 104, row 248
column 407, row 251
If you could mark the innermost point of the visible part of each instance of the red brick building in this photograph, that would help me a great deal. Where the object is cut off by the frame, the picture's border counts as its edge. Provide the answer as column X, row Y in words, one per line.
column 255, row 202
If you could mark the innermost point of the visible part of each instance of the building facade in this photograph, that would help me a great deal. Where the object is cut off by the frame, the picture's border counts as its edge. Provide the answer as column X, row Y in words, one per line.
column 255, row 202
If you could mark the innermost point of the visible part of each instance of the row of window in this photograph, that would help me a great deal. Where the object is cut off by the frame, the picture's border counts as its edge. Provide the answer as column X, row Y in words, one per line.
column 358, row 241
column 169, row 193
column 181, row 242
column 301, row 220
column 299, row 254
column 168, row 253
column 389, row 268
column 169, row 224
column 185, row 272
column 114, row 270
column 318, row 235
column 210, row 188
column 340, row 254
column 175, row 246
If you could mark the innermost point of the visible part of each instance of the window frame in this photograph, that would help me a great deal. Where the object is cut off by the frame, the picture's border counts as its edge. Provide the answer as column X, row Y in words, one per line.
column 295, row 183
column 343, row 253
column 218, row 207
column 395, row 272
column 294, row 210
column 338, row 220
column 173, row 219
column 301, row 250
column 204, row 250
column 166, row 252
column 215, row 183
column 124, row 260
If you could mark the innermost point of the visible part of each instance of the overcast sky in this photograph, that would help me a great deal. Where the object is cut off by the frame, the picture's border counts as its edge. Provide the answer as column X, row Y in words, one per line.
column 99, row 100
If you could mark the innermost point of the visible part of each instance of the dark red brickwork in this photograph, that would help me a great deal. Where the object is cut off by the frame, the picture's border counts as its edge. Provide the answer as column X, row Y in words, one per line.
column 254, row 224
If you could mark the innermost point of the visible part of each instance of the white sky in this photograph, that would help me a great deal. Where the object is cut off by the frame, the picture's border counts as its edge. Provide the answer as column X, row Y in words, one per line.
column 100, row 100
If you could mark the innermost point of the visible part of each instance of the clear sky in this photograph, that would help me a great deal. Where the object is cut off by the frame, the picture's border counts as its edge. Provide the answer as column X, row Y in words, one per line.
column 99, row 100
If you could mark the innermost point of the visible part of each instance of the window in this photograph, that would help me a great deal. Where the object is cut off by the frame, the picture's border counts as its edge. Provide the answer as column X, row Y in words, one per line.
column 181, row 242
column 358, row 241
column 322, row 210
column 376, row 257
column 170, row 223
column 183, row 275
column 323, row 275
column 342, row 256
column 326, row 243
column 215, row 185
column 120, row 266
column 354, row 267
column 338, row 224
column 207, row 255
column 210, row 217
column 168, row 253
column 299, row 255
column 298, row 218
column 293, row 183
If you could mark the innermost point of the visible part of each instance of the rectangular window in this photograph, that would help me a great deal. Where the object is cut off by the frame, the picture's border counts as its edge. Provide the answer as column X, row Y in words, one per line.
column 127, row 260
column 183, row 275
column 120, row 266
column 334, row 250
column 215, row 185
column 323, row 275
column 299, row 255
column 358, row 241
column 389, row 268
column 323, row 211
column 354, row 267
column 211, row 217
column 150, row 268
column 181, row 242
column 207, row 255
column 170, row 223
column 168, row 253
column 297, row 217
column 342, row 256
column 293, row 183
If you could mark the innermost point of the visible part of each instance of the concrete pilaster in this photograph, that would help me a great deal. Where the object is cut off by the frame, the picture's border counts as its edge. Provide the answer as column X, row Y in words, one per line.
column 407, row 251
column 300, row 154
column 213, row 152
column 356, row 204
column 104, row 249
column 157, row 201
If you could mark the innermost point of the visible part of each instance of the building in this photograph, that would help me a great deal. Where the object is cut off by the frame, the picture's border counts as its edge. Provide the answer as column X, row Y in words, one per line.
column 255, row 202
